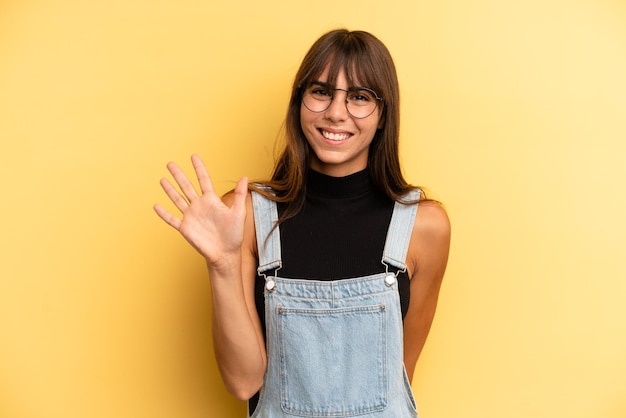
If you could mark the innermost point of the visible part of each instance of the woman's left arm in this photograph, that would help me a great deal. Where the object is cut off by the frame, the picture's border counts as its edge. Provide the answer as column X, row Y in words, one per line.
column 426, row 259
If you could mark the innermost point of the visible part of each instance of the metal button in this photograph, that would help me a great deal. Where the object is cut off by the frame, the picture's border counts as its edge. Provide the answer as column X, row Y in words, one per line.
column 270, row 285
column 390, row 279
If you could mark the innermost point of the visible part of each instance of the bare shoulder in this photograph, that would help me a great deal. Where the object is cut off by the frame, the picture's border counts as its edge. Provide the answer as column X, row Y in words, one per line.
column 431, row 221
column 430, row 239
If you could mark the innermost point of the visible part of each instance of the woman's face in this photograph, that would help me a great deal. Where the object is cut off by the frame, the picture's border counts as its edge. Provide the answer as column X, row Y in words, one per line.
column 340, row 142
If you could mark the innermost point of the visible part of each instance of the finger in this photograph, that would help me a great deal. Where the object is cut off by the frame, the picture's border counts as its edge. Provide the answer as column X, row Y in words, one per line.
column 174, row 196
column 206, row 185
column 241, row 192
column 183, row 182
column 169, row 219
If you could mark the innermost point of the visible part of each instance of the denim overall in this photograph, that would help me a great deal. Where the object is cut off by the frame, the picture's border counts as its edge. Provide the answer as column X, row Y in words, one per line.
column 334, row 348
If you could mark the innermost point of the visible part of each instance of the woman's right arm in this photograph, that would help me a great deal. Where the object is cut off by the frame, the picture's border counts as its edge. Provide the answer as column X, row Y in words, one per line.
column 222, row 231
column 237, row 334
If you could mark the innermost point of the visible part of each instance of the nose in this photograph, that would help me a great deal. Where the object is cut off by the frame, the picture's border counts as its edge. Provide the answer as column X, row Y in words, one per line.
column 338, row 109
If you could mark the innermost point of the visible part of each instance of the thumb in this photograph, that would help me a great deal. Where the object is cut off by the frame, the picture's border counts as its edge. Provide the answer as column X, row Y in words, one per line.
column 241, row 192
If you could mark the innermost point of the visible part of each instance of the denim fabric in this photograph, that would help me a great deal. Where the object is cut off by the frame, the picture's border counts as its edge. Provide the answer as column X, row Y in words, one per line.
column 335, row 348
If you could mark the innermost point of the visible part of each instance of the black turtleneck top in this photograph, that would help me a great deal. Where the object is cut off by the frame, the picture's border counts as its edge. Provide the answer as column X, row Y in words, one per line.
column 339, row 234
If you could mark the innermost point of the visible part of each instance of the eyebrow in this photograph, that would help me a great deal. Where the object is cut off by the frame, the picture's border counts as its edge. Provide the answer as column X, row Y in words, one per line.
column 328, row 86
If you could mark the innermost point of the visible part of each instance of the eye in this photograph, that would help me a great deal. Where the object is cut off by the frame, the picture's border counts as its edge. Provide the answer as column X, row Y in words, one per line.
column 319, row 92
column 361, row 97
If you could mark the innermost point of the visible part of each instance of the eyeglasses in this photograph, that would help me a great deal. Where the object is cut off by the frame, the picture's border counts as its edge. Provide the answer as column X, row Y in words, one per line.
column 360, row 101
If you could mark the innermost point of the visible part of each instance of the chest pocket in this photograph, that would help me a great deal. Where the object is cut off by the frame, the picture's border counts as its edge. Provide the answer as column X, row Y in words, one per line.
column 333, row 362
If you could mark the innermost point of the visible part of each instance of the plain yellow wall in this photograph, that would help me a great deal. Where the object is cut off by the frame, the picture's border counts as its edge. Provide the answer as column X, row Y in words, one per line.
column 514, row 115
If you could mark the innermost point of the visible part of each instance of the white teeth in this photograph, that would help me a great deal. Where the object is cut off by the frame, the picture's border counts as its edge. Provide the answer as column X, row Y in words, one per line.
column 335, row 137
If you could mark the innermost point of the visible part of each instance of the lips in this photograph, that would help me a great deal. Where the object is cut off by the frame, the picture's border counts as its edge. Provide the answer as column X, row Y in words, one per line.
column 335, row 136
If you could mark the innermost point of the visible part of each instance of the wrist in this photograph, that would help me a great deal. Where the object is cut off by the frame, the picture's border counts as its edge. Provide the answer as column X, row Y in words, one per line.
column 226, row 267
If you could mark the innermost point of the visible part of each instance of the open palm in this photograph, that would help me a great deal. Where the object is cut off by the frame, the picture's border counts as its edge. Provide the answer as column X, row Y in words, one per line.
column 210, row 226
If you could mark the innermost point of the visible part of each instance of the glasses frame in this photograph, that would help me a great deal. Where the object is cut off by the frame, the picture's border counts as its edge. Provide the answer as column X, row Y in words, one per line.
column 333, row 89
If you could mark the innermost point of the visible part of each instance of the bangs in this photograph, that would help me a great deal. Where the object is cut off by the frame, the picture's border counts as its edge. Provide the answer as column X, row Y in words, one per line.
column 355, row 61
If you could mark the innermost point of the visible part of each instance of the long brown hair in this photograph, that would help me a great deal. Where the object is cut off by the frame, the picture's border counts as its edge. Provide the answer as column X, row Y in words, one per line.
column 363, row 58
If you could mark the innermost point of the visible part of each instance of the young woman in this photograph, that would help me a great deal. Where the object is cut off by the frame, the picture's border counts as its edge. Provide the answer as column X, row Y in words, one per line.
column 325, row 278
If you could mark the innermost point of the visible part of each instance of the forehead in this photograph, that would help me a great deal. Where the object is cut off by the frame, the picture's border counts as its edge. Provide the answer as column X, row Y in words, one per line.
column 338, row 76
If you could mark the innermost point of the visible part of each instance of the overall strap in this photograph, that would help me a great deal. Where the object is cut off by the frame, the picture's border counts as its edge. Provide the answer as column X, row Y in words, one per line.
column 399, row 232
column 268, row 240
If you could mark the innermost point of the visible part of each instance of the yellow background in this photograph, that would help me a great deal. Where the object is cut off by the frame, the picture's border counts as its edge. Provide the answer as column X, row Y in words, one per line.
column 514, row 115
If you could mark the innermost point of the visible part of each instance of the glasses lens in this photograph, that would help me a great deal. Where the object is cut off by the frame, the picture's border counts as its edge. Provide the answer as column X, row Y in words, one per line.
column 360, row 103
column 317, row 98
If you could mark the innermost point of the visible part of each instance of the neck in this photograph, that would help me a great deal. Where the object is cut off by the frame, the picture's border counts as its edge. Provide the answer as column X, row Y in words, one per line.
column 336, row 170
column 355, row 184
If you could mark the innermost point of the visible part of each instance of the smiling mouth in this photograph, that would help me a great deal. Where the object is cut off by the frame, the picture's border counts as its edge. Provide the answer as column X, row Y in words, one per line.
column 335, row 136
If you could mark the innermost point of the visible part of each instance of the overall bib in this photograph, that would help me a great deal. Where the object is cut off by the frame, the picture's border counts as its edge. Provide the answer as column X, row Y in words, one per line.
column 334, row 348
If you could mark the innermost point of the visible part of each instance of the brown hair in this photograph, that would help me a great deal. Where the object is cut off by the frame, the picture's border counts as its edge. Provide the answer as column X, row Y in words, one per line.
column 363, row 58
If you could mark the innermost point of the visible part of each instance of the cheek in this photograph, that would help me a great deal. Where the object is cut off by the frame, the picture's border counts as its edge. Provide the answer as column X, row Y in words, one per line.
column 305, row 121
column 306, row 127
column 381, row 119
column 305, row 114
column 370, row 128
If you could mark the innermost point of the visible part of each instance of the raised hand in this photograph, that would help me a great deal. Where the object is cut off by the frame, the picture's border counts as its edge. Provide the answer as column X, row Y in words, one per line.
column 210, row 226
